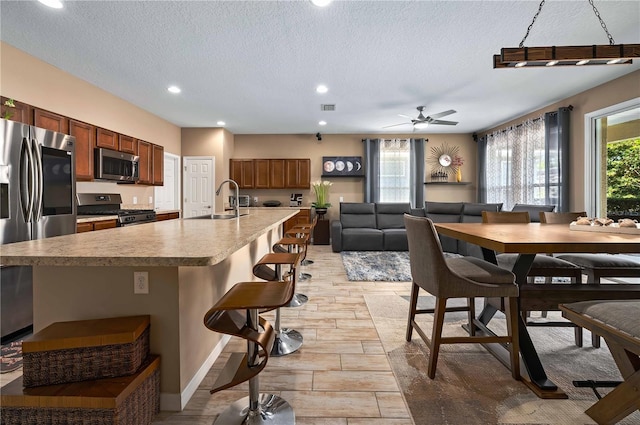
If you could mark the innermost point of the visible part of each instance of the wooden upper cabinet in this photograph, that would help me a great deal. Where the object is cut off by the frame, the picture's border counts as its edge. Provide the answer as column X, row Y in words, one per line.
column 241, row 170
column 158, row 165
column 127, row 144
column 50, row 121
column 276, row 173
column 261, row 174
column 106, row 139
column 297, row 173
column 20, row 112
column 145, row 165
column 85, row 143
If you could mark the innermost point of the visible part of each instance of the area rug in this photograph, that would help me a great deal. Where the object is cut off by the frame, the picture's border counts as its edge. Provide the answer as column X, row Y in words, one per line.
column 369, row 266
column 11, row 356
column 472, row 387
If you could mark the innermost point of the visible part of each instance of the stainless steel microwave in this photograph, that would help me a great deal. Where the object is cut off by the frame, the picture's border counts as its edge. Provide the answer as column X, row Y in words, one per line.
column 114, row 165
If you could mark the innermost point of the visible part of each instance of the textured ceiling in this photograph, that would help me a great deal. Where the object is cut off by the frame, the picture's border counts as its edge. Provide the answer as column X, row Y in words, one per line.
column 255, row 64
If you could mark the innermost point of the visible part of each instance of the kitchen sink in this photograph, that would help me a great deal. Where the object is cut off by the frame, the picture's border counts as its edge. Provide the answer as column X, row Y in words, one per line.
column 219, row 216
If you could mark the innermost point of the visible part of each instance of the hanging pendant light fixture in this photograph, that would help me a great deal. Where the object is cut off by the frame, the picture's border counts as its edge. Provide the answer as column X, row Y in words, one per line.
column 525, row 57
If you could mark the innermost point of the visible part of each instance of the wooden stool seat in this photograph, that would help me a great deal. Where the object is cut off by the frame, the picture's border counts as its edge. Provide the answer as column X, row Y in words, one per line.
column 227, row 316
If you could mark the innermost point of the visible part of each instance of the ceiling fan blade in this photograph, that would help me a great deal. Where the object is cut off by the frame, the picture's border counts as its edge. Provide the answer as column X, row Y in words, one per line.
column 441, row 122
column 395, row 125
column 405, row 116
column 442, row 114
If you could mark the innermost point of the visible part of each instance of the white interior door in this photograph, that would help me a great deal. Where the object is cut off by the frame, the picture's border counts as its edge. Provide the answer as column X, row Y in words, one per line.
column 167, row 196
column 199, row 186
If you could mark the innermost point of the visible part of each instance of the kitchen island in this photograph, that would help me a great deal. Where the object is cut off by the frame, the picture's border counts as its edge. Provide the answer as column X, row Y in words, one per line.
column 191, row 263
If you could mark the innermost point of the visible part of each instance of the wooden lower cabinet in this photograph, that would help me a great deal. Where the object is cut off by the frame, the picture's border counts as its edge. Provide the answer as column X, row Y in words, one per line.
column 303, row 217
column 96, row 225
column 167, row 216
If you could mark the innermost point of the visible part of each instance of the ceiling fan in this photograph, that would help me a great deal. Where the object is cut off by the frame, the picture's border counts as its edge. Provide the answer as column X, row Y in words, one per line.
column 422, row 122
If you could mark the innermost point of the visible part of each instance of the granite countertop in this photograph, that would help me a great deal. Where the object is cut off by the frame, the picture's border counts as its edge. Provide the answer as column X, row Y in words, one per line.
column 171, row 243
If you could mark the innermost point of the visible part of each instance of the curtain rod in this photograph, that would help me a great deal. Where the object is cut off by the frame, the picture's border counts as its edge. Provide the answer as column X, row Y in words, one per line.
column 513, row 127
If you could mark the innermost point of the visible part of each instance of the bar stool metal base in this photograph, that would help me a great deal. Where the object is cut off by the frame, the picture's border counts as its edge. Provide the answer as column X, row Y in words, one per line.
column 304, row 276
column 306, row 262
column 286, row 342
column 272, row 410
column 298, row 300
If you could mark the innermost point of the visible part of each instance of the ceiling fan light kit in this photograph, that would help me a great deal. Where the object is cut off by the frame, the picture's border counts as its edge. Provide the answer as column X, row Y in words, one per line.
column 550, row 56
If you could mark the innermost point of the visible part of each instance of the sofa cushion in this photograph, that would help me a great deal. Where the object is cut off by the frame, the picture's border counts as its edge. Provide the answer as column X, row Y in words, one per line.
column 362, row 239
column 391, row 215
column 472, row 213
column 443, row 212
column 395, row 240
column 357, row 215
column 533, row 210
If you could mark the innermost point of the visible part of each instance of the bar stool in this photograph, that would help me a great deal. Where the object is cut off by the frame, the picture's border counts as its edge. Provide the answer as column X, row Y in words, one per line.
column 227, row 316
column 287, row 340
column 309, row 226
column 293, row 245
column 306, row 234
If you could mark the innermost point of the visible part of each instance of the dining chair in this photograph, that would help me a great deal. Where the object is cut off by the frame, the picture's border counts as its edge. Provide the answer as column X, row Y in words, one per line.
column 545, row 266
column 465, row 277
column 595, row 266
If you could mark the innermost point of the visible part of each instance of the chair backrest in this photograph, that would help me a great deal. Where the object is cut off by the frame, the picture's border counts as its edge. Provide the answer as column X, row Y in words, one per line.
column 533, row 210
column 560, row 217
column 389, row 215
column 505, row 217
column 358, row 214
column 428, row 266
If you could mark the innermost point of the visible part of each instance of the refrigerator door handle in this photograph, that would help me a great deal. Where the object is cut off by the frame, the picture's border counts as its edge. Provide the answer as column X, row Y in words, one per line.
column 38, row 172
column 26, row 180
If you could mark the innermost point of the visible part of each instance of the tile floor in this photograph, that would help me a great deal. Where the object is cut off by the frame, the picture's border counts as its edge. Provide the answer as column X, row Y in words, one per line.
column 340, row 376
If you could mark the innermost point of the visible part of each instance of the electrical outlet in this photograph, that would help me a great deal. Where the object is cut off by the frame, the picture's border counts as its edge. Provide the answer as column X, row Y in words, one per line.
column 341, row 199
column 140, row 282
column 150, row 199
column 255, row 200
column 135, row 200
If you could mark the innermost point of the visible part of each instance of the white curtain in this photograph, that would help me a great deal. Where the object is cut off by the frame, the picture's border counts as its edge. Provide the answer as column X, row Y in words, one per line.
column 515, row 165
column 395, row 170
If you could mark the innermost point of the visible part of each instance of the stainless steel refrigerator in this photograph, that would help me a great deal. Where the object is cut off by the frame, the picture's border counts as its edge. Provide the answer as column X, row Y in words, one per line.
column 37, row 200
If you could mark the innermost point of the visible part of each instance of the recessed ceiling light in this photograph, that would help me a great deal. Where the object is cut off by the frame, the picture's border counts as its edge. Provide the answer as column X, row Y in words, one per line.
column 54, row 4
column 322, row 123
column 174, row 89
column 321, row 3
column 221, row 123
column 322, row 88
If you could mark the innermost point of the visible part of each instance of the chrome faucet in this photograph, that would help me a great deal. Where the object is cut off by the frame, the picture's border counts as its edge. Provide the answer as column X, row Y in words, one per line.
column 236, row 207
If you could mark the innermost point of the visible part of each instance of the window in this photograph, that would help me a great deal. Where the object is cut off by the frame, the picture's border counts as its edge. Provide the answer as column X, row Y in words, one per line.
column 527, row 163
column 516, row 166
column 394, row 170
column 395, row 175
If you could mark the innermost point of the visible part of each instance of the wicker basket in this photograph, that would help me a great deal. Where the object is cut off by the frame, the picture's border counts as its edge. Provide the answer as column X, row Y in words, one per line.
column 49, row 367
column 137, row 408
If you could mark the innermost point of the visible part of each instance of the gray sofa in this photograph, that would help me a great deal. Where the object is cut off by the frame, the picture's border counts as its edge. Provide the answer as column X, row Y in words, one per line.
column 380, row 226
column 367, row 226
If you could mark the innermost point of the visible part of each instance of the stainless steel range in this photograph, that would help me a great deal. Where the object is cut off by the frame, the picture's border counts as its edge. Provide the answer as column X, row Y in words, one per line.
column 109, row 204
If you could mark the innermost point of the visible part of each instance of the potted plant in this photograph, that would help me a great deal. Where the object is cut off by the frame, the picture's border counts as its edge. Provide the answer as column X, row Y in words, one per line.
column 321, row 189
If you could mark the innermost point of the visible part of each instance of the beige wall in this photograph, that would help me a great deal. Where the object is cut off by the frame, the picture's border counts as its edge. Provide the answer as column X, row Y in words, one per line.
column 608, row 94
column 37, row 83
column 350, row 188
column 216, row 142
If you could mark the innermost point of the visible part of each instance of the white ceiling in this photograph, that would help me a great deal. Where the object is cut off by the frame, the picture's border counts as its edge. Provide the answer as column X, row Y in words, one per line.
column 255, row 64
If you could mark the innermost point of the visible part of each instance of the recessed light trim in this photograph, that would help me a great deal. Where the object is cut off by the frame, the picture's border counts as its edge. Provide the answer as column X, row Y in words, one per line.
column 221, row 123
column 174, row 89
column 54, row 4
column 322, row 88
column 322, row 123
column 321, row 3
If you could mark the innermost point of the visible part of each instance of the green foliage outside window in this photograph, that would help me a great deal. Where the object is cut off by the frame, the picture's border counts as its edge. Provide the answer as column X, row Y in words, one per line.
column 623, row 176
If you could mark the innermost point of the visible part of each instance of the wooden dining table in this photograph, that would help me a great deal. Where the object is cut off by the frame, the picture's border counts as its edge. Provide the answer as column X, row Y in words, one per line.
column 527, row 240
